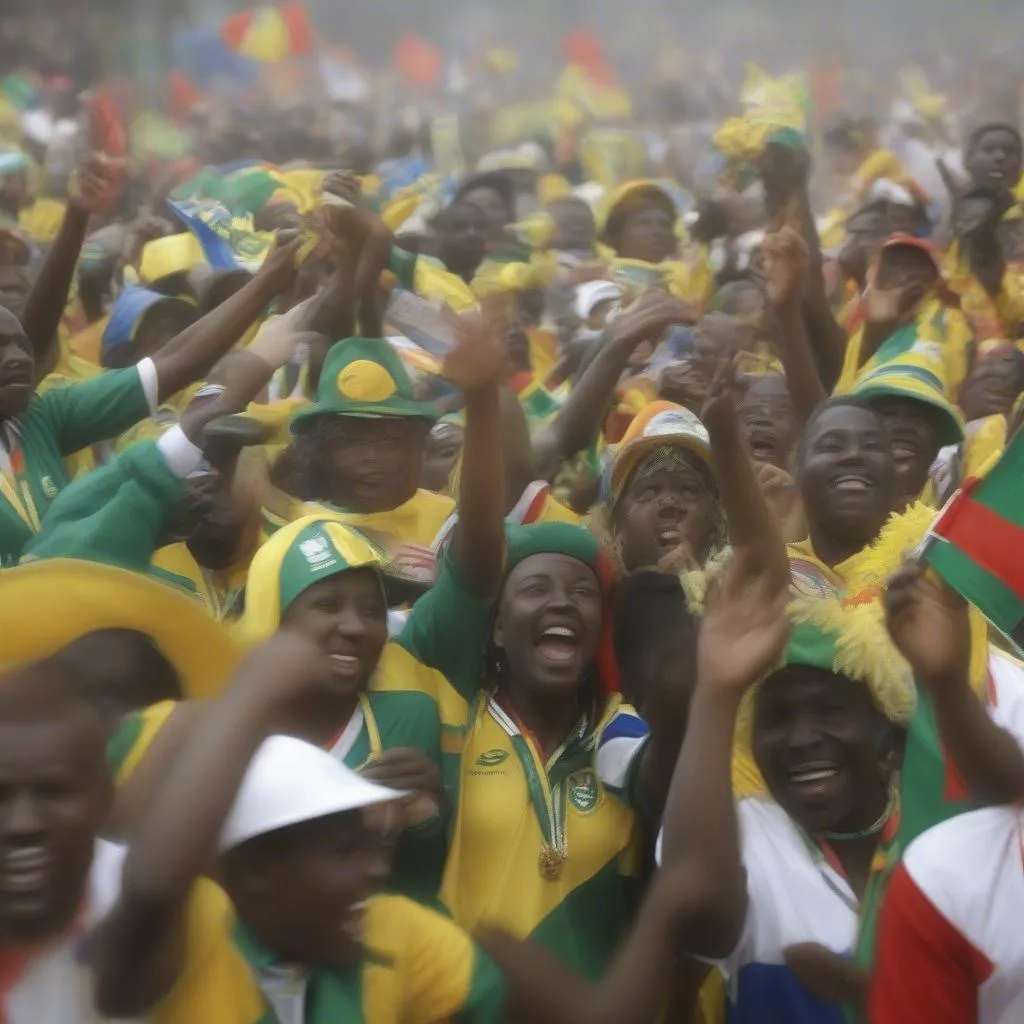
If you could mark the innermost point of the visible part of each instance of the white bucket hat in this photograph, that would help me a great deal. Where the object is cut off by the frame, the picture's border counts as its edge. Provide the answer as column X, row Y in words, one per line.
column 290, row 781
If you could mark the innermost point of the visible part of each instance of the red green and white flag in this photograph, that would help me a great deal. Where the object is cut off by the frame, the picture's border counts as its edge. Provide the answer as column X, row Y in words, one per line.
column 977, row 542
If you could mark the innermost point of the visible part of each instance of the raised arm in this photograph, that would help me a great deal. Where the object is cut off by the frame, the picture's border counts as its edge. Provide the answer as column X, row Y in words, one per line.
column 701, row 837
column 140, row 949
column 193, row 353
column 579, row 420
column 45, row 304
column 476, row 365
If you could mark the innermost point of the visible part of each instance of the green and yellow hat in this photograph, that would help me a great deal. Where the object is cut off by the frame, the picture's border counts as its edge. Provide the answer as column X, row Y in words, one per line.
column 850, row 639
column 919, row 377
column 364, row 377
column 301, row 554
column 627, row 199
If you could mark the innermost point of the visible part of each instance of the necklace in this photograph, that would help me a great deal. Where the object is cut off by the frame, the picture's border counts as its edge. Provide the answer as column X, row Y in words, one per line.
column 872, row 829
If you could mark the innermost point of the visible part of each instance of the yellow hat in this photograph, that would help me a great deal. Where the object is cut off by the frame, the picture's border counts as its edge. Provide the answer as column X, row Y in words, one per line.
column 46, row 605
column 173, row 254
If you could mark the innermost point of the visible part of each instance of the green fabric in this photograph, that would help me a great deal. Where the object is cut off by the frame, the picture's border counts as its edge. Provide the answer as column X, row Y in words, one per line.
column 991, row 596
column 331, row 401
column 57, row 424
column 1000, row 489
column 247, row 191
column 409, row 719
column 550, row 538
column 121, row 744
column 487, row 997
column 118, row 514
column 403, row 265
column 331, row 996
column 586, row 928
column 811, row 646
column 311, row 558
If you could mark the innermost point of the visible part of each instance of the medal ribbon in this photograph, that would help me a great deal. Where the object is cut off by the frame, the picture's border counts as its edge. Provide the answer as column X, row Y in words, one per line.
column 548, row 800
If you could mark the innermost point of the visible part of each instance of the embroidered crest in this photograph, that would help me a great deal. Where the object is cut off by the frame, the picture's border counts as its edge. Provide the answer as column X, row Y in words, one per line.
column 583, row 792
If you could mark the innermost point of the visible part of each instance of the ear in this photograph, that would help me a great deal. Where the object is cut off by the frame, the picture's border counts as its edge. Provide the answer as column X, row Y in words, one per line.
column 498, row 633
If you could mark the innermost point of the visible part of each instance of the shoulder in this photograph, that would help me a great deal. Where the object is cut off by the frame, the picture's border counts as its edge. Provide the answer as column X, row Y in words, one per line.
column 767, row 833
column 396, row 927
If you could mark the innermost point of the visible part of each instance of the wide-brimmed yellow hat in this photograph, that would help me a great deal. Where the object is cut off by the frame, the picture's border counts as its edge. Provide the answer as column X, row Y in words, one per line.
column 46, row 605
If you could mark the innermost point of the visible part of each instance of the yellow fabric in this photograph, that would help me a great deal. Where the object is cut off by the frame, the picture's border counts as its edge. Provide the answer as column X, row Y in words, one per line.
column 217, row 591
column 307, row 184
column 153, row 719
column 173, row 254
column 992, row 317
column 44, row 605
column 42, row 220
column 986, row 439
column 879, row 163
column 936, row 326
column 543, row 352
column 432, row 281
column 418, row 521
column 268, row 39
column 494, row 278
column 420, row 970
column 494, row 813
column 676, row 276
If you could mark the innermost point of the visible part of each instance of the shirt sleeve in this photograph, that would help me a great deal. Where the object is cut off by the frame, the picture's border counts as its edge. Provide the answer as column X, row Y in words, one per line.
column 448, row 629
column 99, row 409
column 447, row 976
column 619, row 747
column 926, row 972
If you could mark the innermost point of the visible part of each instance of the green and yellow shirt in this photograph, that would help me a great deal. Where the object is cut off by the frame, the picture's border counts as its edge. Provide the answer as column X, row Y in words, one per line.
column 540, row 848
column 418, row 968
column 57, row 423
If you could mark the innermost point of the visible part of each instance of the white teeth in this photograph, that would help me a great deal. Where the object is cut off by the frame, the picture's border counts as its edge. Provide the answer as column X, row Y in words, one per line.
column 344, row 659
column 813, row 775
column 560, row 631
column 852, row 483
column 28, row 858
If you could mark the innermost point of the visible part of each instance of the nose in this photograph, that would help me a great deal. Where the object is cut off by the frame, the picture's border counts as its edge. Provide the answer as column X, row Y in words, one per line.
column 22, row 821
column 804, row 734
column 350, row 623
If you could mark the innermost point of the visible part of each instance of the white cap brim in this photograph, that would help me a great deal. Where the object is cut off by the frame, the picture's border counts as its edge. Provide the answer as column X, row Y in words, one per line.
column 290, row 781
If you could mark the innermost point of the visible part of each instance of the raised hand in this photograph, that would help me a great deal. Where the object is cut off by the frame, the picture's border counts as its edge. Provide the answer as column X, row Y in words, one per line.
column 648, row 318
column 95, row 186
column 929, row 623
column 784, row 258
column 480, row 355
column 744, row 627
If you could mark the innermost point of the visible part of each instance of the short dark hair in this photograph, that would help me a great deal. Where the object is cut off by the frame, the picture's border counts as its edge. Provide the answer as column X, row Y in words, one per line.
column 834, row 402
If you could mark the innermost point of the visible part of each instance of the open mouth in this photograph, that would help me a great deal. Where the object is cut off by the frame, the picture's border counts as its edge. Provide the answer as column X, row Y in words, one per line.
column 558, row 644
column 762, row 444
column 345, row 666
column 23, row 872
column 852, row 483
column 353, row 923
column 815, row 779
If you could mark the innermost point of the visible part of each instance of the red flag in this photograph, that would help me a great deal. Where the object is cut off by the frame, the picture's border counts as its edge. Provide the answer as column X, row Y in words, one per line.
column 584, row 48
column 417, row 61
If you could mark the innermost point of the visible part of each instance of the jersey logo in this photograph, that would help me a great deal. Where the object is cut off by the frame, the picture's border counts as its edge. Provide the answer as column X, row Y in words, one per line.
column 49, row 487
column 583, row 791
column 491, row 758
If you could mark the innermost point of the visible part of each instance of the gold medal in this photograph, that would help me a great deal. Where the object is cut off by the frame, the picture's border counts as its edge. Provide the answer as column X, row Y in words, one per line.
column 550, row 863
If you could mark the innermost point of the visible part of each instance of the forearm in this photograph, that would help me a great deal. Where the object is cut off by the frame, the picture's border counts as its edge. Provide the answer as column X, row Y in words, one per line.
column 701, row 834
column 177, row 839
column 752, row 524
column 195, row 351
column 803, row 381
column 48, row 298
column 479, row 541
column 988, row 758
column 580, row 418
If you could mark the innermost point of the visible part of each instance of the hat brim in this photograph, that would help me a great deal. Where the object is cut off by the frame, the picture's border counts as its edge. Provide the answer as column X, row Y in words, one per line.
column 628, row 196
column 627, row 459
column 397, row 409
column 950, row 428
column 48, row 604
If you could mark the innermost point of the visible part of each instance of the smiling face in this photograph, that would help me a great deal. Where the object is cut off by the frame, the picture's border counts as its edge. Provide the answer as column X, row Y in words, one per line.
column 302, row 890
column 846, row 473
column 994, row 159
column 369, row 465
column 54, row 795
column 821, row 745
column 913, row 440
column 17, row 366
column 766, row 413
column 549, row 622
column 347, row 616
column 669, row 500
